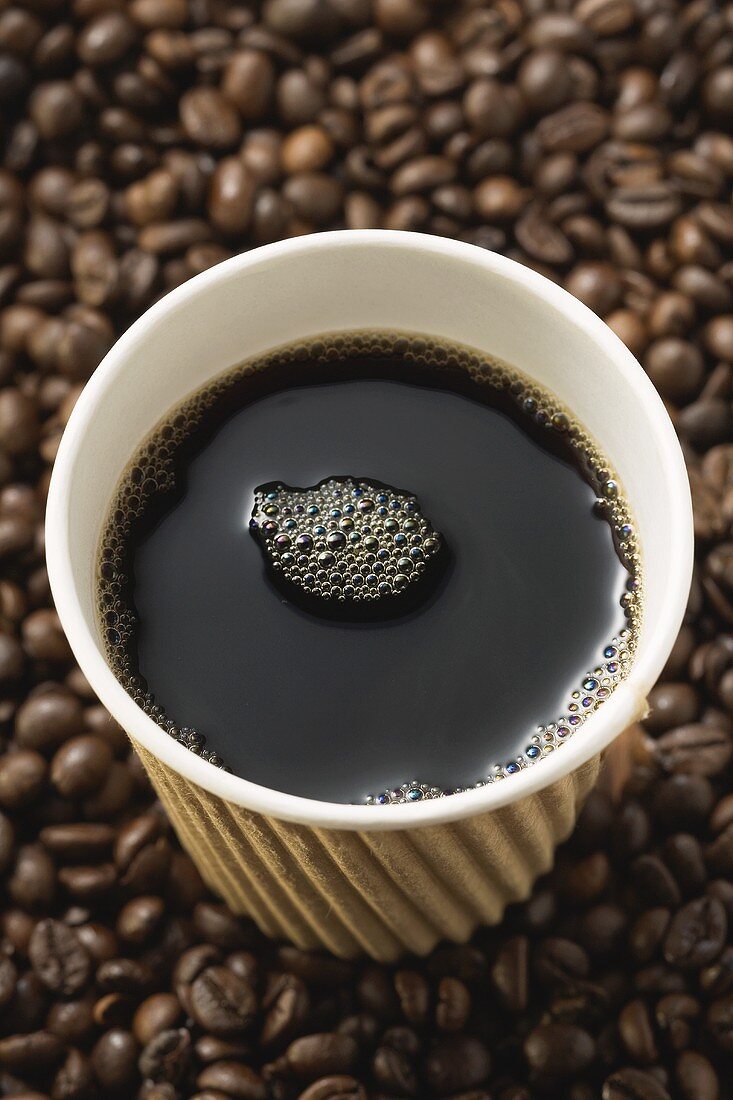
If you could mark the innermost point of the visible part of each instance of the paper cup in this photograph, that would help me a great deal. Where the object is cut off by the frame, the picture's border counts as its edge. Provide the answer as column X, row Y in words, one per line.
column 353, row 879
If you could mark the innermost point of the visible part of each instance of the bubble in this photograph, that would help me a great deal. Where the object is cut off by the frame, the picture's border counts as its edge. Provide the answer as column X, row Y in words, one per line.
column 339, row 564
column 336, row 540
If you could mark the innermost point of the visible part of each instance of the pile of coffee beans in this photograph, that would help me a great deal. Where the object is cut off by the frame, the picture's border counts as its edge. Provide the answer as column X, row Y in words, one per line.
column 142, row 142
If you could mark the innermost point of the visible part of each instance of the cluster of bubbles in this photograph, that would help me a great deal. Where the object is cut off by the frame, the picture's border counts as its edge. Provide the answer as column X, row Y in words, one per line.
column 152, row 472
column 596, row 687
column 352, row 541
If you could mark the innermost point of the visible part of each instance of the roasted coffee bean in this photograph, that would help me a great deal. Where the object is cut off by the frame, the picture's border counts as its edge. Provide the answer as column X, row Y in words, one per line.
column 167, row 1056
column 596, row 284
column 720, row 1022
column 88, row 883
column 719, row 854
column 695, row 749
column 8, row 980
column 23, row 778
column 647, row 933
column 32, row 884
column 114, row 1059
column 576, row 128
column 334, row 1088
column 43, row 638
column 655, row 882
column 319, row 1055
column 217, row 925
column 137, row 851
column 19, row 425
column 112, row 1010
column 100, row 942
column 541, row 239
column 209, row 119
column 456, row 1064
column 7, row 842
column 696, row 1078
column 720, row 888
column 722, row 815
column 140, row 919
column 545, row 80
column 12, row 661
column 676, row 1014
column 106, row 38
column 156, row 1013
column 650, row 206
column 454, row 1005
column 77, row 842
column 233, row 1079
column 185, row 887
column 56, row 109
column 113, row 795
column 677, row 369
column 363, row 1027
column 221, row 1002
column 696, row 934
column 394, row 1072
column 26, row 1053
column 560, row 963
column 58, row 958
column 402, row 1038
column 75, row 1077
column 706, row 423
column 71, row 1021
column 299, row 97
column 210, row 1049
column 286, row 1003
column 29, row 1006
column 231, row 197
column 80, row 766
column 633, row 1084
column 117, row 975
column 48, row 719
column 631, row 830
column 414, row 994
column 671, row 704
column 559, row 1050
column 683, row 855
column 509, row 973
column 248, row 82
column 637, row 1035
column 188, row 967
column 601, row 928
column 314, row 196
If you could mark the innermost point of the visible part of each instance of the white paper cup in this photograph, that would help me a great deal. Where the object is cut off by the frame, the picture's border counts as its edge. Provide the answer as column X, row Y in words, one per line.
column 381, row 880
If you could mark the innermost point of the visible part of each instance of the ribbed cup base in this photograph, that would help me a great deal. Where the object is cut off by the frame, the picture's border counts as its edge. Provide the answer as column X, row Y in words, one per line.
column 380, row 893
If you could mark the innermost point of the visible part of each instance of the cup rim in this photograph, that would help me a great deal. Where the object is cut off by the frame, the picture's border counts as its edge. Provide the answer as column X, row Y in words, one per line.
column 628, row 701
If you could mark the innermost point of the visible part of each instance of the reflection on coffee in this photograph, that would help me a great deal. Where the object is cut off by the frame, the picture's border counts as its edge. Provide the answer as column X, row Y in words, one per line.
column 373, row 567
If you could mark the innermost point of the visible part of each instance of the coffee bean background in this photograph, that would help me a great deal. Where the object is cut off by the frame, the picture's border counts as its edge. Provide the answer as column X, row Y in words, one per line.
column 143, row 141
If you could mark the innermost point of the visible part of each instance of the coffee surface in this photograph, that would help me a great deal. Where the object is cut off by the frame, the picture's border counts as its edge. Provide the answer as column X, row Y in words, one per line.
column 341, row 710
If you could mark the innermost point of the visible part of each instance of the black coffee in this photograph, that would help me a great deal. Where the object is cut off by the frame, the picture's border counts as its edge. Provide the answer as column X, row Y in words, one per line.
column 370, row 568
